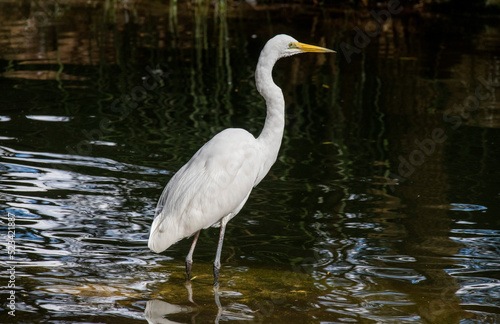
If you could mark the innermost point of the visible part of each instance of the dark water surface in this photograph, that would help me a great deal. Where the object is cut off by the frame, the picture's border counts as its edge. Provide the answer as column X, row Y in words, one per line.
column 383, row 206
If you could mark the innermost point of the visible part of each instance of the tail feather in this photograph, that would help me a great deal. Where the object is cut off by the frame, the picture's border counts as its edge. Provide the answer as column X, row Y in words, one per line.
column 161, row 236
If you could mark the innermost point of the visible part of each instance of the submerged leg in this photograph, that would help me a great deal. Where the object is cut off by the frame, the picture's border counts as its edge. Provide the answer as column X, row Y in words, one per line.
column 189, row 257
column 223, row 223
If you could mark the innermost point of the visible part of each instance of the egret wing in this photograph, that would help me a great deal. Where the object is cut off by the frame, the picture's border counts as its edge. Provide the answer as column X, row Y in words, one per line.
column 215, row 183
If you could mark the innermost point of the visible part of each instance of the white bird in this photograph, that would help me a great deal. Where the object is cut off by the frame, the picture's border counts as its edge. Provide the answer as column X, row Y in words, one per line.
column 215, row 184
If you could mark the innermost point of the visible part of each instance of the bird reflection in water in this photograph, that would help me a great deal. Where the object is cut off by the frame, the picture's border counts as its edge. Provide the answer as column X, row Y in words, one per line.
column 157, row 310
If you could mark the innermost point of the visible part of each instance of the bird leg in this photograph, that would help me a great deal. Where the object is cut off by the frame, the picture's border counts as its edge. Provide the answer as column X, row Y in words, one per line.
column 223, row 223
column 189, row 257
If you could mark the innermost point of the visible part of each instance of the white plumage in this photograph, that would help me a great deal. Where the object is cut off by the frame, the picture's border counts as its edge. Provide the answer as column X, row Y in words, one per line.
column 215, row 184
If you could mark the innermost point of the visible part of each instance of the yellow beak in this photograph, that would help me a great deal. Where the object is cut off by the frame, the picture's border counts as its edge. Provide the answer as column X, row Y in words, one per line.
column 312, row 49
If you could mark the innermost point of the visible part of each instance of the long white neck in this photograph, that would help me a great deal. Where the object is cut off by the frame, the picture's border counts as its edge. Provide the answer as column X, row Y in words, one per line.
column 272, row 133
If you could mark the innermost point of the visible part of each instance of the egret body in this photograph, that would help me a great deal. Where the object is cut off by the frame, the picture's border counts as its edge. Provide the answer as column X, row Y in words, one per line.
column 215, row 184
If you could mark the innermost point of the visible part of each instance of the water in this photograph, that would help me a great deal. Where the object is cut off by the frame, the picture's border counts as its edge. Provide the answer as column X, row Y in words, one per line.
column 382, row 207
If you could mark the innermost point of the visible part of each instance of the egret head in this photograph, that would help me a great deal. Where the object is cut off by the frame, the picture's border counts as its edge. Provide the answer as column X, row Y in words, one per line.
column 278, row 47
column 285, row 45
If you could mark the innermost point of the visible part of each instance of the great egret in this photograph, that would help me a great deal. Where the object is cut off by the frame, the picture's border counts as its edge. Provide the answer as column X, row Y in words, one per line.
column 215, row 184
